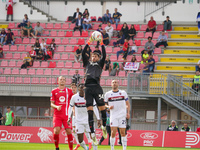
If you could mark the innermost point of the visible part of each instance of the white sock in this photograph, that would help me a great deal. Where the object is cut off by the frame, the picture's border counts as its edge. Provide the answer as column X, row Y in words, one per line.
column 112, row 143
column 87, row 134
column 94, row 147
column 124, row 142
column 76, row 137
column 83, row 145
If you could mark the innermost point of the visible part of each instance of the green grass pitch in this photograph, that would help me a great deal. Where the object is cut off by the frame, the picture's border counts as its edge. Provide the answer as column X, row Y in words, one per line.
column 34, row 146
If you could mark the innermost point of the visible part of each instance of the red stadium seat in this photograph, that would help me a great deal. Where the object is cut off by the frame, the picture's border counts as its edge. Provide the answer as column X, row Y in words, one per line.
column 144, row 42
column 48, row 41
column 143, row 27
column 156, row 35
column 71, row 57
column 148, row 34
column 12, row 64
column 122, row 74
column 64, row 57
column 140, row 50
column 157, row 51
column 39, row 72
column 72, row 26
column 58, row 41
column 57, row 26
column 140, row 35
column 114, row 26
column 138, row 58
column 56, row 57
column 96, row 26
column 9, row 55
column 28, row 48
column 73, row 42
column 53, row 33
column 44, row 64
column 68, row 81
column 13, row 48
column 76, row 65
column 160, row 27
column 19, row 63
column 84, row 34
column 26, row 41
column 65, row 41
column 109, row 50
column 7, row 71
column 18, row 41
column 125, row 82
column 52, row 64
column 130, row 42
column 15, row 32
column 11, row 80
column 77, row 34
column 137, row 42
column 64, row 72
column 61, row 34
column 102, row 82
column 119, row 27
column 11, row 25
column 52, row 81
column 60, row 64
column 68, row 49
column 68, row 65
column 111, row 42
column 81, row 72
column 69, row 34
column 60, row 49
column 103, row 26
column 6, row 48
column 108, row 82
column 27, row 80
column 65, row 26
column 156, row 58
column 47, row 72
column 15, row 71
column 129, row 57
column 2, row 80
column 113, row 58
column 81, row 42
column 49, row 26
column 105, row 74
column 43, row 25
column 116, row 49
column 45, row 33
column 36, row 64
column 71, row 72
column 4, row 63
column 137, row 27
column 33, row 25
column 23, row 55
column 21, row 48
column 35, row 81
column 23, row 71
column 154, row 42
column 31, row 72
column 141, row 66
column 18, row 80
column 56, row 72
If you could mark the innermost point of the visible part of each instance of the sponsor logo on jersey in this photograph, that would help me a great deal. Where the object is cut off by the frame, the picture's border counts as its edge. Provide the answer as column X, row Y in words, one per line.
column 61, row 91
column 83, row 104
column 192, row 139
column 5, row 136
column 62, row 99
column 116, row 98
column 44, row 135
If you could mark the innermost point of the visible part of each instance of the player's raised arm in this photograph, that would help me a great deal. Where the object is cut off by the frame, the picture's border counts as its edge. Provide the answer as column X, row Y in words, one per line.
column 102, row 61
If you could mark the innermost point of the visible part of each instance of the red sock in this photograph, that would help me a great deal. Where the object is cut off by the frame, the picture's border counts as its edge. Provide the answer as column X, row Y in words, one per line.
column 56, row 139
column 70, row 141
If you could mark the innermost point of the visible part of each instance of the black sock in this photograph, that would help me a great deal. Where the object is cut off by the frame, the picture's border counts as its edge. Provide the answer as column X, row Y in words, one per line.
column 91, row 120
column 103, row 116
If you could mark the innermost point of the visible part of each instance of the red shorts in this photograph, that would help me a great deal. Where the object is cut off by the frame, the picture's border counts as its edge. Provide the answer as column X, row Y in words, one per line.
column 59, row 121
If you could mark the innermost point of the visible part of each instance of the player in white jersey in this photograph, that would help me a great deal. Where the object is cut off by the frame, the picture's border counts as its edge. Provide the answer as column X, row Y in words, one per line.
column 119, row 106
column 81, row 116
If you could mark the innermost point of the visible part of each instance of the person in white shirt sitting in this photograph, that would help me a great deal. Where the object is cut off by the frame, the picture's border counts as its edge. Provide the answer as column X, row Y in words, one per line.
column 87, row 23
column 162, row 40
column 43, row 46
column 109, row 30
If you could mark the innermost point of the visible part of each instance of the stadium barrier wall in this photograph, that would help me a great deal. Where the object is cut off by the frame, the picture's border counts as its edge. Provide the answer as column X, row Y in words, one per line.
column 135, row 137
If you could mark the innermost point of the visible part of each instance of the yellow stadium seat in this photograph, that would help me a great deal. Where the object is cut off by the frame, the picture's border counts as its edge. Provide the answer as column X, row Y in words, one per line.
column 180, row 68
column 183, row 44
column 185, row 29
column 185, row 36
column 190, row 60
column 187, row 52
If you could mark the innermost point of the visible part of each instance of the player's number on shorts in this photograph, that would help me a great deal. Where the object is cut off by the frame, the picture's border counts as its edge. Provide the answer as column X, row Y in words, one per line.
column 123, row 121
column 100, row 96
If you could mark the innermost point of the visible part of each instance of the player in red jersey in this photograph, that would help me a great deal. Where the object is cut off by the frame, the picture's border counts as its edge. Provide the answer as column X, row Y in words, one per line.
column 60, row 100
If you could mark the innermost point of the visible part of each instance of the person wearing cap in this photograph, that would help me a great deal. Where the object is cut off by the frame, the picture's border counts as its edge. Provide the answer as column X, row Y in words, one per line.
column 167, row 24
column 173, row 126
column 186, row 128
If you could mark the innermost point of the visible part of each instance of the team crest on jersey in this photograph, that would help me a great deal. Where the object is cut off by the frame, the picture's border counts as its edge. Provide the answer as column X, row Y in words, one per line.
column 120, row 93
column 62, row 99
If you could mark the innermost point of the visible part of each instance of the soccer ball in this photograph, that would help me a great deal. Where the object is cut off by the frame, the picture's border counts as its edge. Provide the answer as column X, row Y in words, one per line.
column 96, row 36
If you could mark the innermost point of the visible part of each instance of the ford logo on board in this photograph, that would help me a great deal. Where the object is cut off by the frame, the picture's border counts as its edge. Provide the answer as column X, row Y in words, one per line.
column 149, row 135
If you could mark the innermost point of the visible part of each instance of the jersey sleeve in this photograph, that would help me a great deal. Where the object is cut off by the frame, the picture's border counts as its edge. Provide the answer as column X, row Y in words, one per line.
column 53, row 98
column 12, row 114
column 106, row 97
column 125, row 96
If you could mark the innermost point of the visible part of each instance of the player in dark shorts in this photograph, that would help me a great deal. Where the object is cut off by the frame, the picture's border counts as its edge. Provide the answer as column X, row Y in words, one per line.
column 93, row 89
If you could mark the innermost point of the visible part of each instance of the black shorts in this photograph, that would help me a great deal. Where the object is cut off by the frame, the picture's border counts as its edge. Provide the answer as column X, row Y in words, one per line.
column 94, row 92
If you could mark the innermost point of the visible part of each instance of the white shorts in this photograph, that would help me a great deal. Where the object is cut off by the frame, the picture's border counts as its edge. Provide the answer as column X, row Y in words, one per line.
column 81, row 128
column 73, row 121
column 118, row 122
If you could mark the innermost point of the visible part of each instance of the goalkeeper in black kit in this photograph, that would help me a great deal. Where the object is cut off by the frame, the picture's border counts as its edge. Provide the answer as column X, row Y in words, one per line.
column 93, row 89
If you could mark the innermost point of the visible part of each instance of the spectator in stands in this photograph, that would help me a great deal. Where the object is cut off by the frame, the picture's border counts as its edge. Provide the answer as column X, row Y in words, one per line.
column 1, row 117
column 198, row 21
column 145, row 69
column 9, row 8
column 40, row 55
column 109, row 30
column 162, row 40
column 27, row 61
column 1, row 52
column 167, row 24
column 107, row 64
column 9, row 117
column 149, row 46
column 116, row 17
column 106, row 17
column 24, row 22
column 27, row 30
column 2, row 35
column 151, row 26
column 120, row 39
column 132, row 49
column 132, row 32
column 53, row 46
column 43, row 46
column 86, row 12
column 125, row 30
column 198, row 129
column 115, row 69
column 196, row 81
column 151, row 63
column 87, row 23
column 48, row 55
column 124, row 49
column 105, row 38
column 79, row 24
column 133, row 59
column 76, row 14
column 78, row 54
column 38, row 30
column 37, row 46
column 100, row 29
column 173, row 126
column 88, row 53
column 76, row 78
column 198, row 66
column 186, row 128
column 9, row 39
column 32, row 53
column 145, row 57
